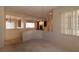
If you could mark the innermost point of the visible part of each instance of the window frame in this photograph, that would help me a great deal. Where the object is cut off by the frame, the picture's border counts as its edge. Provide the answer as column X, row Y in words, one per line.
column 22, row 24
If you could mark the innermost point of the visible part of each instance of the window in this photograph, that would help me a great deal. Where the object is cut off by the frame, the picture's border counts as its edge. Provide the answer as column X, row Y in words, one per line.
column 70, row 23
column 13, row 21
column 30, row 25
column 10, row 25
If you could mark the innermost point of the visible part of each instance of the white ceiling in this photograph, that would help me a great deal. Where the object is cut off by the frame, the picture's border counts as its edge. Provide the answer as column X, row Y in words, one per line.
column 35, row 11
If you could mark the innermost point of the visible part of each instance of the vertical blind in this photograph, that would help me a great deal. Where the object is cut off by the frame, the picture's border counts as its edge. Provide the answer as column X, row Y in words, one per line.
column 70, row 23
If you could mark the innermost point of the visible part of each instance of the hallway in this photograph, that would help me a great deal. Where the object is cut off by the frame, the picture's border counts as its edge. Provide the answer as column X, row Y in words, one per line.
column 36, row 24
column 32, row 46
column 38, row 29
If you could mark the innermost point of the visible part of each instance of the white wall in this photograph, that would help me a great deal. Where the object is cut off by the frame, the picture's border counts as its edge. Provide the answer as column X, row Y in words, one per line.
column 38, row 34
column 2, row 27
column 67, row 42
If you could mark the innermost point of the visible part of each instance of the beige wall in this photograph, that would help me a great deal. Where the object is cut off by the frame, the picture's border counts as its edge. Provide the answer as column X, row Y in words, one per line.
column 14, row 34
column 67, row 42
column 2, row 31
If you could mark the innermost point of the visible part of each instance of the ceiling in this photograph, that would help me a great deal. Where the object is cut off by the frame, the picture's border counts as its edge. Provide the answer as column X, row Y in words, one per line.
column 35, row 11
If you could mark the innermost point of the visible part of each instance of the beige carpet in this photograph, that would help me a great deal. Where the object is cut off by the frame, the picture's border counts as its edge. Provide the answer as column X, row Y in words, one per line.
column 32, row 46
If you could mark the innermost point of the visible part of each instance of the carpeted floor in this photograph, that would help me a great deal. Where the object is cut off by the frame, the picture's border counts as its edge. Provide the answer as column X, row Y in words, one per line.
column 32, row 46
